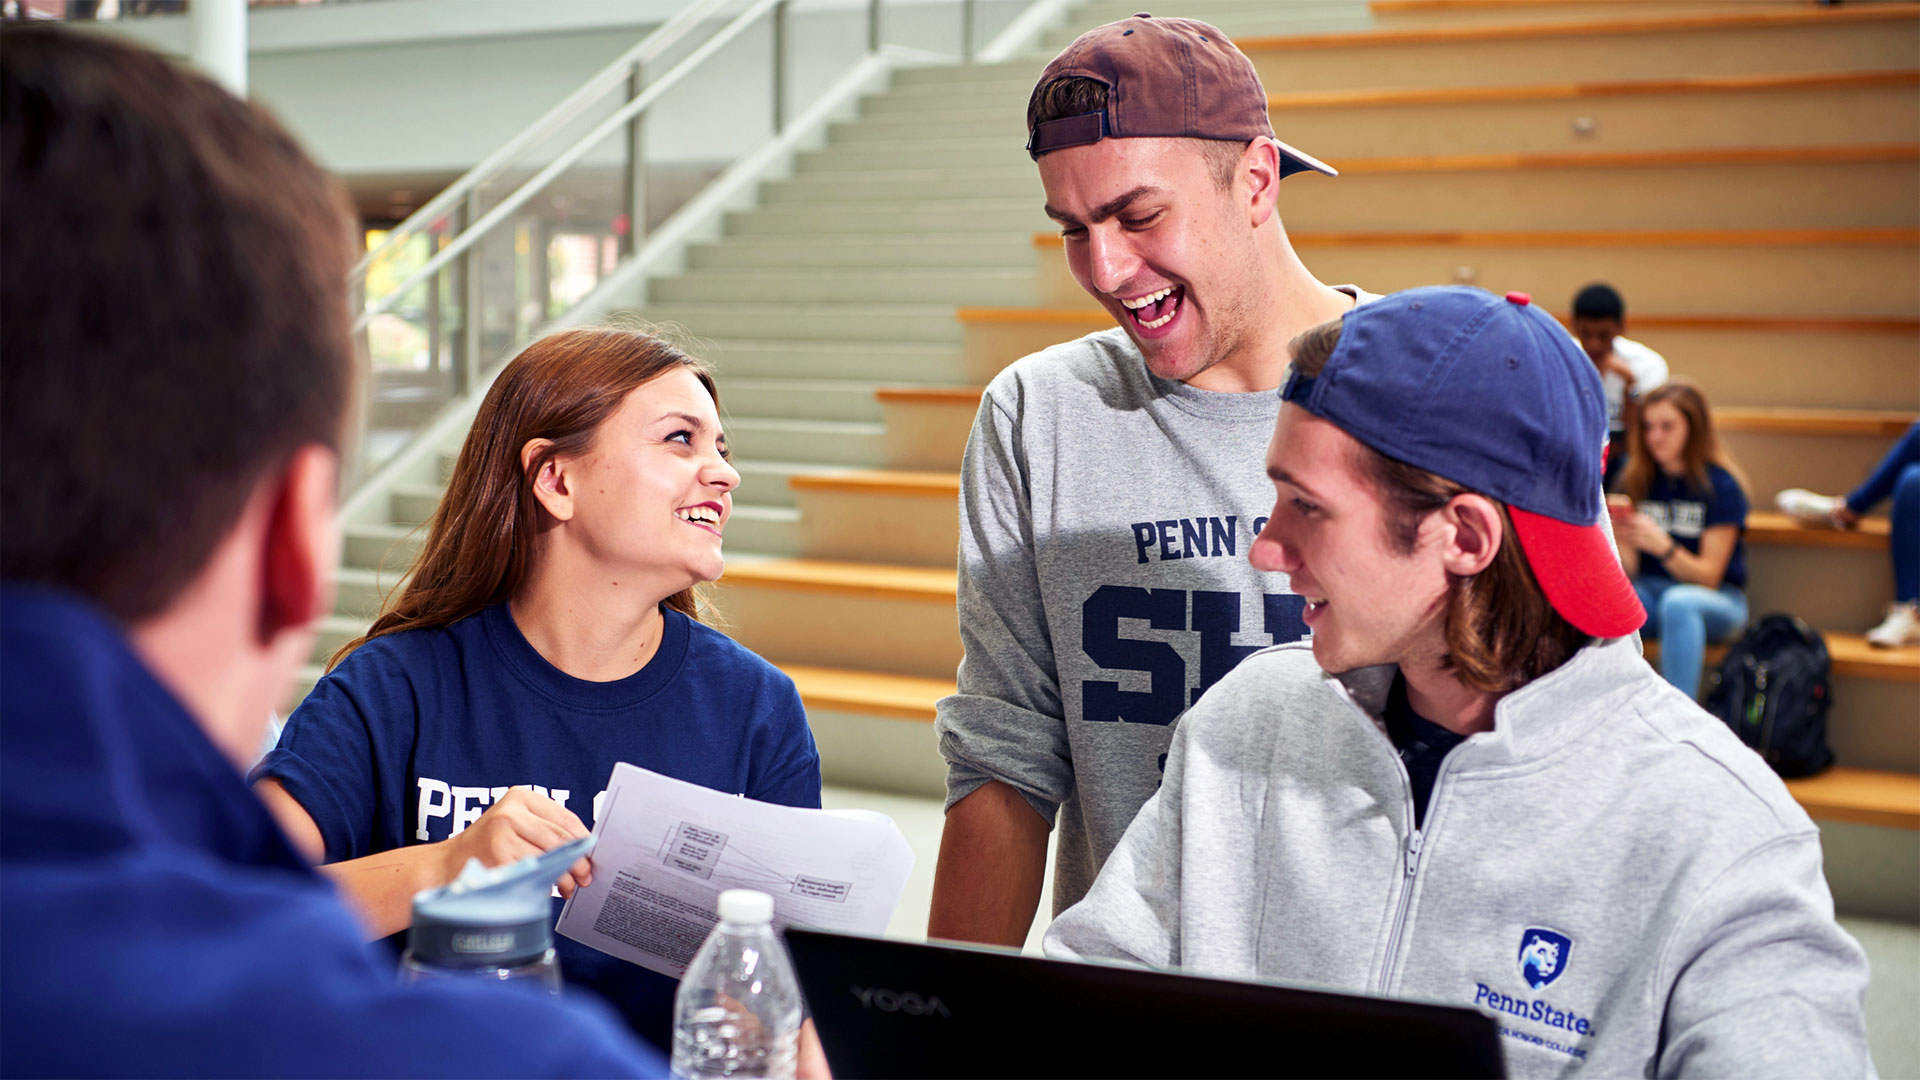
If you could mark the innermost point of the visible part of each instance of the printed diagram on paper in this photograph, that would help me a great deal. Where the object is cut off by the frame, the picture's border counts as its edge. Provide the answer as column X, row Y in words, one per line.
column 692, row 849
column 665, row 850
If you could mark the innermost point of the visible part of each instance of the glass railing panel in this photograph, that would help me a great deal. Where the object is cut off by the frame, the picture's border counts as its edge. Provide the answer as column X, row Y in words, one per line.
column 947, row 28
column 566, row 124
column 452, row 294
column 685, row 149
column 456, row 291
column 412, row 349
column 990, row 17
column 824, row 39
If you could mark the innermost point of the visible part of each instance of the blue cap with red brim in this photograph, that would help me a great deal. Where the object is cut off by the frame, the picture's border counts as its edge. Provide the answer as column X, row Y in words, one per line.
column 1493, row 394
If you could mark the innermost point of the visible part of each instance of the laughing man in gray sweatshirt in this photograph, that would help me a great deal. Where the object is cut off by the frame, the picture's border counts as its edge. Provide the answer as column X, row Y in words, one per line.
column 1468, row 787
column 1110, row 487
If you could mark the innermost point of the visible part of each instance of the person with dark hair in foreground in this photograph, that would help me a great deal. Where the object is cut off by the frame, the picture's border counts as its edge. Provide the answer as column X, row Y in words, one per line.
column 176, row 379
column 1468, row 787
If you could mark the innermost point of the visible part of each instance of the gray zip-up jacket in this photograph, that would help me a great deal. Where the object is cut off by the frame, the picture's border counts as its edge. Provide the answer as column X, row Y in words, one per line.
column 1609, row 872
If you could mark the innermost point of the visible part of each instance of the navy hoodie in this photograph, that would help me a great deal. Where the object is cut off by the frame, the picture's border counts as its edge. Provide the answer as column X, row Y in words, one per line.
column 157, row 923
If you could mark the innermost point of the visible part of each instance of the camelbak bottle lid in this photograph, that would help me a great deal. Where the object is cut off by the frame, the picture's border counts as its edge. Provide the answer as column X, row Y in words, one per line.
column 491, row 918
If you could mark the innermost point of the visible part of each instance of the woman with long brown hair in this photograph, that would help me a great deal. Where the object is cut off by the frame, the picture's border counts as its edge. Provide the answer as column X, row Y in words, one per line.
column 1680, row 519
column 547, row 630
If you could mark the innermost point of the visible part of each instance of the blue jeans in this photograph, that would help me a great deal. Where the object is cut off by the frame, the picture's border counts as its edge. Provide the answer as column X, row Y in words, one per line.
column 1683, row 618
column 1899, row 476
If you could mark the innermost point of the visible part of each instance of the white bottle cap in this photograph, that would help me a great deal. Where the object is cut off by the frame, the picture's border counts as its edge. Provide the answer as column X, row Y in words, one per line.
column 750, row 906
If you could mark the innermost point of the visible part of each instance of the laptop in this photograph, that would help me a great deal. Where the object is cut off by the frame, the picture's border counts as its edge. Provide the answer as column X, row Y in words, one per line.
column 903, row 1009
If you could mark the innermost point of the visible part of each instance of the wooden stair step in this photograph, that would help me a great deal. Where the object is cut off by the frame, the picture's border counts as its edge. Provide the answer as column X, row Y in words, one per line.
column 1853, row 656
column 1700, row 84
column 1826, row 324
column 1781, row 19
column 1862, row 796
column 1893, row 236
column 929, row 395
column 847, row 578
column 1090, row 317
column 1850, row 653
column 1629, row 159
column 1773, row 527
column 1094, row 318
column 1763, row 526
column 1388, row 8
column 1797, row 421
column 1864, row 422
column 882, row 481
column 874, row 693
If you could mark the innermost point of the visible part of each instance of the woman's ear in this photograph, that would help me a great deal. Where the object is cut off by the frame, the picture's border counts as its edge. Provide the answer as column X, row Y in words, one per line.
column 1475, row 534
column 550, row 480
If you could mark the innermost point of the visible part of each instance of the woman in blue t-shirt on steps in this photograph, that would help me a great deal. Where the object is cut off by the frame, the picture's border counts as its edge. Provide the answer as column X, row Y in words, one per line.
column 546, row 630
column 1680, row 519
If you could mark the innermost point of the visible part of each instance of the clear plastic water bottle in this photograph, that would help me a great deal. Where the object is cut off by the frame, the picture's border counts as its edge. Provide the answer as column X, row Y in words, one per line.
column 737, row 1012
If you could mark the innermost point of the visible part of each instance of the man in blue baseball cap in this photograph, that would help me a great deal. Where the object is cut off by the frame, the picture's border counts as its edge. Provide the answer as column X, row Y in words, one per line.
column 1468, row 787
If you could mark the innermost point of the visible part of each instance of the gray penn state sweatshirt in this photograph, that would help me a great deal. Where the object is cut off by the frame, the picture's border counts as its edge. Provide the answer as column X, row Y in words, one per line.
column 1105, row 517
column 1626, row 888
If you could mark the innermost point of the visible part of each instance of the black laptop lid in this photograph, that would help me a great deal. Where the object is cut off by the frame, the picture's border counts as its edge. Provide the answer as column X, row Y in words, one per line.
column 903, row 1009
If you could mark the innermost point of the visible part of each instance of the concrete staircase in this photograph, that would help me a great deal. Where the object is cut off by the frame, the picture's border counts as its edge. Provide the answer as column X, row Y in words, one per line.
column 1748, row 175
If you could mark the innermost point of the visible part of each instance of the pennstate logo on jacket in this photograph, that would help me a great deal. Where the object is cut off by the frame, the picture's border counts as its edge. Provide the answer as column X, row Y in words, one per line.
column 1543, row 956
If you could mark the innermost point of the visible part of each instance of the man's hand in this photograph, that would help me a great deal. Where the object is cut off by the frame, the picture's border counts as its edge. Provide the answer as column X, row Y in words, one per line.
column 521, row 823
column 1612, row 364
column 993, row 860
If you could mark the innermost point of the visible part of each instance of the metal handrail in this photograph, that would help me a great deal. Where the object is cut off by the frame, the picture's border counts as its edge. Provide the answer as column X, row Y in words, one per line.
column 474, row 232
column 589, row 93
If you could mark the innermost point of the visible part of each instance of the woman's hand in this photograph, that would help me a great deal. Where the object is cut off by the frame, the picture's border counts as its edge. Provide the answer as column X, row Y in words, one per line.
column 1644, row 534
column 810, row 1063
column 1636, row 530
column 522, row 823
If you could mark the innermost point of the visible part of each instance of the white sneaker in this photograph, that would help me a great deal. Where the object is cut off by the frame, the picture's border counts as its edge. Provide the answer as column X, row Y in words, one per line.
column 1901, row 627
column 1808, row 507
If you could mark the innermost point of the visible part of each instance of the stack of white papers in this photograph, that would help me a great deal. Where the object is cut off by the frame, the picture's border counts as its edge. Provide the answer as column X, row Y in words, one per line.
column 665, row 850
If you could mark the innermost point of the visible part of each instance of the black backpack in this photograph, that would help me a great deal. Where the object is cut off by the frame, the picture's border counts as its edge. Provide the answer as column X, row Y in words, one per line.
column 1774, row 689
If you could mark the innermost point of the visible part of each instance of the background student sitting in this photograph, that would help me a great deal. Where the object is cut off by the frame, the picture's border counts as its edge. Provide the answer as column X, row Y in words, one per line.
column 1681, row 518
column 1627, row 368
column 1898, row 476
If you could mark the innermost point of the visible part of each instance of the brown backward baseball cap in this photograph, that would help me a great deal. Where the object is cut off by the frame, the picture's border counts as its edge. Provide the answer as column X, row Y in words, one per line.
column 1165, row 78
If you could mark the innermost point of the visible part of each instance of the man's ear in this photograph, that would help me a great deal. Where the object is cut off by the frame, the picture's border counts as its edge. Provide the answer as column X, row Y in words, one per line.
column 550, row 483
column 302, row 543
column 1258, row 180
column 1475, row 533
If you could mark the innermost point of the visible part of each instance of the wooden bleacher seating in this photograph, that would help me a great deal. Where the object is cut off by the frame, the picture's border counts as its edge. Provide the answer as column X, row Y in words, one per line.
column 1784, row 104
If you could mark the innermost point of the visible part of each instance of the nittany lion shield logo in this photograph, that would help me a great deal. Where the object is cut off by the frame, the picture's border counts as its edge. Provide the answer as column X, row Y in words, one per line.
column 1543, row 956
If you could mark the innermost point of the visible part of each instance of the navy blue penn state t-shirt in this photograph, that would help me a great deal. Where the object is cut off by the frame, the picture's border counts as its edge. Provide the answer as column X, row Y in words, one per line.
column 415, row 734
column 1677, row 505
